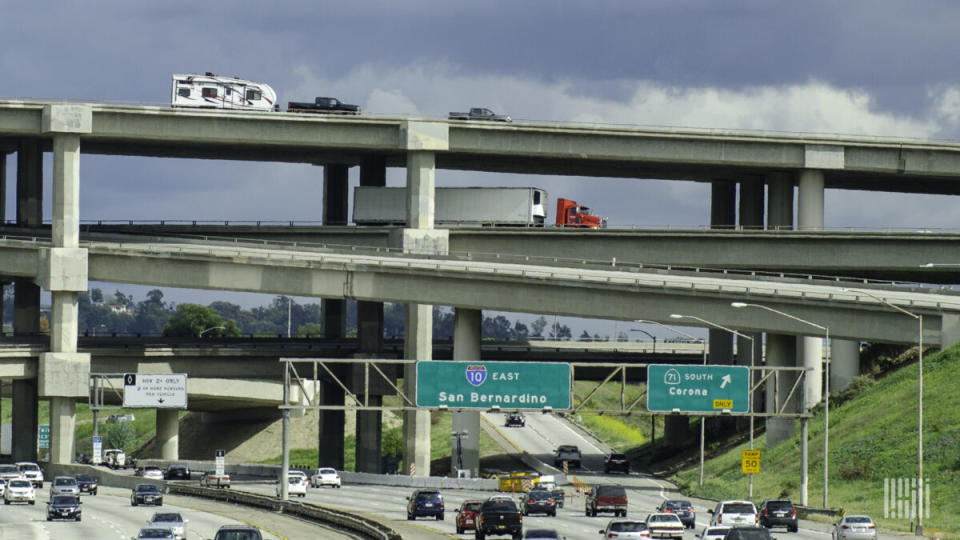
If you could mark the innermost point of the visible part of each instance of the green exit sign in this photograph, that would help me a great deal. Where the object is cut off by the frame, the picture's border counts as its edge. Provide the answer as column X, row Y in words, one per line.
column 698, row 388
column 484, row 385
column 43, row 436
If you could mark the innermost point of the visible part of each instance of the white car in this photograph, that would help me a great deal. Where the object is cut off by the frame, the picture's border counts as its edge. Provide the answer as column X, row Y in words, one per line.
column 735, row 514
column 626, row 529
column 31, row 471
column 855, row 528
column 713, row 533
column 3, row 486
column 664, row 525
column 19, row 491
column 296, row 485
column 10, row 472
column 153, row 473
column 64, row 485
column 172, row 521
column 325, row 476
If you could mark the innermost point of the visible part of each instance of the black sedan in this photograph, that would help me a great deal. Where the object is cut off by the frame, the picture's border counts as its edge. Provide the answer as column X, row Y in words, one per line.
column 616, row 462
column 87, row 484
column 538, row 502
column 515, row 419
column 146, row 494
column 177, row 472
column 64, row 507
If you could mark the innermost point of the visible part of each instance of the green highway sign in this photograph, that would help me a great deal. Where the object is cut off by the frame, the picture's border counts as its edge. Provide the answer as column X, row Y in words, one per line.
column 43, row 436
column 698, row 388
column 483, row 385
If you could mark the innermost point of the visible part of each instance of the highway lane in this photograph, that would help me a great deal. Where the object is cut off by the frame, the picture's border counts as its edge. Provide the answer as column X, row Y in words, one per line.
column 110, row 516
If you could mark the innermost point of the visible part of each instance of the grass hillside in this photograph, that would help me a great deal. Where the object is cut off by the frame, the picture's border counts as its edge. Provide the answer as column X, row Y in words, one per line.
column 873, row 436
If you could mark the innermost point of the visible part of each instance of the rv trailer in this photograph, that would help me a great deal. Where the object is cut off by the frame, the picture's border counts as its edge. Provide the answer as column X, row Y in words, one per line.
column 211, row 91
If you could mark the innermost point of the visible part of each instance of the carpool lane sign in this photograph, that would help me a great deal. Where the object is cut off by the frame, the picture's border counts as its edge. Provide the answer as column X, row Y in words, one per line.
column 482, row 385
column 698, row 388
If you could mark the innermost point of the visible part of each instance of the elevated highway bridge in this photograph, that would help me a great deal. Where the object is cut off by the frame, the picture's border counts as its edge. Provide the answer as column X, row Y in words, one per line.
column 766, row 168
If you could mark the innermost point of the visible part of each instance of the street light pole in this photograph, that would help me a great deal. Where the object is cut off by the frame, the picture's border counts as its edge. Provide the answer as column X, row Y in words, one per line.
column 826, row 398
column 651, row 336
column 734, row 332
column 919, row 318
column 202, row 332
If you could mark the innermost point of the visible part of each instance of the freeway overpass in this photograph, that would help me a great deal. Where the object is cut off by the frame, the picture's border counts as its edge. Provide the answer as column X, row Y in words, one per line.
column 753, row 161
column 875, row 255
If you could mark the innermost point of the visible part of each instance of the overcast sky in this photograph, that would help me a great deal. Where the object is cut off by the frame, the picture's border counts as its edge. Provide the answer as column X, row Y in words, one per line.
column 869, row 67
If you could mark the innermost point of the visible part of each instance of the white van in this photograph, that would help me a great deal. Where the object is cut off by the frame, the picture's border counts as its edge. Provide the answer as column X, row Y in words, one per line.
column 734, row 514
column 115, row 458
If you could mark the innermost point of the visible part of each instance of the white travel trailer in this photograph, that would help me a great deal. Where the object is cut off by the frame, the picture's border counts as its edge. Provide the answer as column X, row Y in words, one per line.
column 210, row 91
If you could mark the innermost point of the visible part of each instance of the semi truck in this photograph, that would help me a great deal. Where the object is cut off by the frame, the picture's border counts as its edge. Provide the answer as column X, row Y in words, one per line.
column 476, row 206
column 572, row 214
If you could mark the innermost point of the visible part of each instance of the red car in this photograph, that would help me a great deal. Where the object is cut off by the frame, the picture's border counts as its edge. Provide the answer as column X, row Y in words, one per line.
column 467, row 516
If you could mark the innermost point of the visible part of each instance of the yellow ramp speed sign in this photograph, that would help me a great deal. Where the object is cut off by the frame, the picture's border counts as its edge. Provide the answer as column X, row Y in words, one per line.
column 750, row 461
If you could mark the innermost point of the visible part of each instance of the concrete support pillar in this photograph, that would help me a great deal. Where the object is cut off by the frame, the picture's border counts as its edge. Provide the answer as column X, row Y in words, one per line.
column 335, row 194
column 373, row 171
column 781, row 352
column 418, row 345
column 420, row 188
column 751, row 204
column 168, row 434
column 24, row 420
column 422, row 140
column 63, row 421
column 723, row 205
column 844, row 364
column 810, row 218
column 330, row 427
column 467, row 331
column 64, row 374
column 949, row 329
column 779, row 201
column 26, row 300
column 369, row 423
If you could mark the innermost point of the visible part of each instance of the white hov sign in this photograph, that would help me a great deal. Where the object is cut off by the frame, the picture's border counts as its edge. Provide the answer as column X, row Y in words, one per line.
column 155, row 390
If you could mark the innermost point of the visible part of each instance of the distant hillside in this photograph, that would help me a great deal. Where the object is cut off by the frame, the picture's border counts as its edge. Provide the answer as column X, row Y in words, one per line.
column 873, row 436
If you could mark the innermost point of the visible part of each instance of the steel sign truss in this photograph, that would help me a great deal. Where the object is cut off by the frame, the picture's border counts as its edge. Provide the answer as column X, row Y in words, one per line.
column 303, row 378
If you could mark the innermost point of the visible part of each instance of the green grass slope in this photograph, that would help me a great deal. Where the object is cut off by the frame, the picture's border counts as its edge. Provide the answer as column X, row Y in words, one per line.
column 873, row 436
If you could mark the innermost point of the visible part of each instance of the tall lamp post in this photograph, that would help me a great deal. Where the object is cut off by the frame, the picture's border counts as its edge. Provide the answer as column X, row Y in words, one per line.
column 702, row 432
column 704, row 342
column 651, row 336
column 202, row 332
column 919, row 318
column 826, row 397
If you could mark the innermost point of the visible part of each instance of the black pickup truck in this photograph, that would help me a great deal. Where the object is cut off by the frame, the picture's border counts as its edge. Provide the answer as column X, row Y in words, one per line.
column 480, row 113
column 326, row 105
column 499, row 516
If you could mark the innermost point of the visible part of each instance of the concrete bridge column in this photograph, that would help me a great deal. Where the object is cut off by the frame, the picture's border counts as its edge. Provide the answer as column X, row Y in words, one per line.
column 369, row 423
column 333, row 311
column 949, row 329
column 64, row 374
column 810, row 218
column 467, row 332
column 779, row 201
column 369, row 440
column 168, row 434
column 422, row 140
column 26, row 299
column 781, row 352
column 844, row 364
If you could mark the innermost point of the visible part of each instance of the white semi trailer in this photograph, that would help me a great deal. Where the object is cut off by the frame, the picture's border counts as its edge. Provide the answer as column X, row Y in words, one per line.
column 471, row 206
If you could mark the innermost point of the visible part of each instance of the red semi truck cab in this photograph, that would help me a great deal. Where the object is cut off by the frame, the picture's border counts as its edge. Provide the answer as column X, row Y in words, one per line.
column 571, row 214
